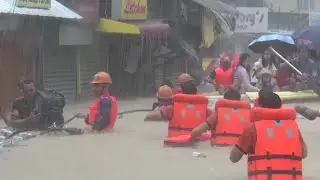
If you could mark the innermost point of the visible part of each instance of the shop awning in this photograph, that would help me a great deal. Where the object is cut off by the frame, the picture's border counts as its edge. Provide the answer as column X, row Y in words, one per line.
column 154, row 28
column 111, row 26
column 218, row 6
column 57, row 10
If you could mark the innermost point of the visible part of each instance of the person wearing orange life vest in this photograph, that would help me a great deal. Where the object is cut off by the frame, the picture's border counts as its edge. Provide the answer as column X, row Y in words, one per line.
column 164, row 95
column 256, row 102
column 273, row 142
column 224, row 75
column 228, row 121
column 166, row 99
column 260, row 93
column 103, row 111
column 183, row 78
column 197, row 108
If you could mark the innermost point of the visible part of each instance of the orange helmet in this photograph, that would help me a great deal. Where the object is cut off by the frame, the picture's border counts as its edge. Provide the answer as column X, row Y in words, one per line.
column 165, row 92
column 101, row 78
column 184, row 77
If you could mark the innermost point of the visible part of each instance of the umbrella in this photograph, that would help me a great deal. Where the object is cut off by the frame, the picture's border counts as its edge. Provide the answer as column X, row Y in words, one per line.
column 280, row 41
column 276, row 41
column 308, row 36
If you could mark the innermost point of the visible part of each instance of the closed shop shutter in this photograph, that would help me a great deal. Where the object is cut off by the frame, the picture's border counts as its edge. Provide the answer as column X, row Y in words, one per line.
column 59, row 70
column 90, row 65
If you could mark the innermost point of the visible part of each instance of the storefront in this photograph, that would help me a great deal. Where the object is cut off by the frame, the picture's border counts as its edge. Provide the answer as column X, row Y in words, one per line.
column 31, row 49
column 133, row 43
column 59, row 63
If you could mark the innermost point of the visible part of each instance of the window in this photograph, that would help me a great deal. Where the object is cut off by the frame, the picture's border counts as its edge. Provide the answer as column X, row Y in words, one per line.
column 306, row 4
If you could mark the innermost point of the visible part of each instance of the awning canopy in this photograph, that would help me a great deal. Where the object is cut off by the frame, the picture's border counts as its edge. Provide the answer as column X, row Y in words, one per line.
column 225, row 13
column 218, row 6
column 57, row 10
column 154, row 28
column 111, row 26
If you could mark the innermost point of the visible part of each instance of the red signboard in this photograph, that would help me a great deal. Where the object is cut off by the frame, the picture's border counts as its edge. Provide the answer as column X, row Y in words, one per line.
column 88, row 9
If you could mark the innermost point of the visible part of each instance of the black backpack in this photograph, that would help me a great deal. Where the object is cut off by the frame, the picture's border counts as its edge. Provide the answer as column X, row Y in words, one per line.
column 50, row 104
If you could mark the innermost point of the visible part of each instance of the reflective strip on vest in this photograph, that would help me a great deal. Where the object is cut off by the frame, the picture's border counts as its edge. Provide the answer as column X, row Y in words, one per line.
column 183, row 114
column 230, row 126
column 278, row 151
column 186, row 117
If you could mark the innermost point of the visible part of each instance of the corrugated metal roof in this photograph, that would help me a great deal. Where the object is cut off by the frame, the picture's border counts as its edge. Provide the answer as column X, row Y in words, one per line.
column 218, row 6
column 57, row 10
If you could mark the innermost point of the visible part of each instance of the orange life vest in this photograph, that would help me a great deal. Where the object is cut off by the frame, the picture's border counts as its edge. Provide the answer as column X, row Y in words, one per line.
column 94, row 111
column 232, row 118
column 278, row 150
column 189, row 112
column 224, row 78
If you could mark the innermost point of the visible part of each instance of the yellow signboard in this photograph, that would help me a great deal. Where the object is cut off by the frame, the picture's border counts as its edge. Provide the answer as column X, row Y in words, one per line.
column 40, row 4
column 208, row 37
column 134, row 9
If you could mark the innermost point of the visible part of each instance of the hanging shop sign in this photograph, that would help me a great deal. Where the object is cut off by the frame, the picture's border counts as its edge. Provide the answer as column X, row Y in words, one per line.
column 134, row 9
column 40, row 4
column 252, row 20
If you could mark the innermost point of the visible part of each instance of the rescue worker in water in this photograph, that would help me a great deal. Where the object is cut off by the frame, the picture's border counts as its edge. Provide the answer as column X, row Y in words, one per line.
column 103, row 111
column 223, row 75
column 166, row 112
column 273, row 142
column 183, row 78
column 164, row 95
column 228, row 120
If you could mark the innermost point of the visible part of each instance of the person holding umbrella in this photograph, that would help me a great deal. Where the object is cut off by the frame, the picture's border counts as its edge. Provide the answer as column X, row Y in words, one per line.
column 265, row 68
column 268, row 44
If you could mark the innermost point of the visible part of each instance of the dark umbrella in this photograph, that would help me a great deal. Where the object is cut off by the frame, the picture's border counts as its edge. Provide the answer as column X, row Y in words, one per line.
column 308, row 37
column 277, row 41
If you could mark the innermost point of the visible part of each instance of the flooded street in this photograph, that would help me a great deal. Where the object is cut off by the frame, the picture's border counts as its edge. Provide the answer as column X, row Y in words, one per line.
column 133, row 151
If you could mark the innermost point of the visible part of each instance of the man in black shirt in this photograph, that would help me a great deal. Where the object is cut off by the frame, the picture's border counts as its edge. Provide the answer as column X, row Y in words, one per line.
column 23, row 109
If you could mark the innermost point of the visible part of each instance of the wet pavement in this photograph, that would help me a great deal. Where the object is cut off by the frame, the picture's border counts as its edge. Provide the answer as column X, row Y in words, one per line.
column 133, row 151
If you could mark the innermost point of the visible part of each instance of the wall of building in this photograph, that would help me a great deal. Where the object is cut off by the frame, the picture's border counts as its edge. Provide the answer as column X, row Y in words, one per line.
column 17, row 56
column 292, row 5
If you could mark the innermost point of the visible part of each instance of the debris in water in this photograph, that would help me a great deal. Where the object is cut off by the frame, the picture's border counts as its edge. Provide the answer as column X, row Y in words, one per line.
column 198, row 155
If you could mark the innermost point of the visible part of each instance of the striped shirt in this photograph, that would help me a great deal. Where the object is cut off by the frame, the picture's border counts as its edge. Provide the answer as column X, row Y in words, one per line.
column 241, row 80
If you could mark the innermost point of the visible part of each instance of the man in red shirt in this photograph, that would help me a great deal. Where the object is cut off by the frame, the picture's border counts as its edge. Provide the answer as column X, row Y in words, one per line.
column 211, row 122
column 166, row 112
column 247, row 140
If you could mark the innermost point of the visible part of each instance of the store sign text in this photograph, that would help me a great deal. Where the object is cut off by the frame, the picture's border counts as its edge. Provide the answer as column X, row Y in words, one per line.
column 134, row 9
column 40, row 4
column 253, row 20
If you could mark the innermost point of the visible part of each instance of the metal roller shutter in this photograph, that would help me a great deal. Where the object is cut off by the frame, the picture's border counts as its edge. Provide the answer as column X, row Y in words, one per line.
column 90, row 65
column 59, row 71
